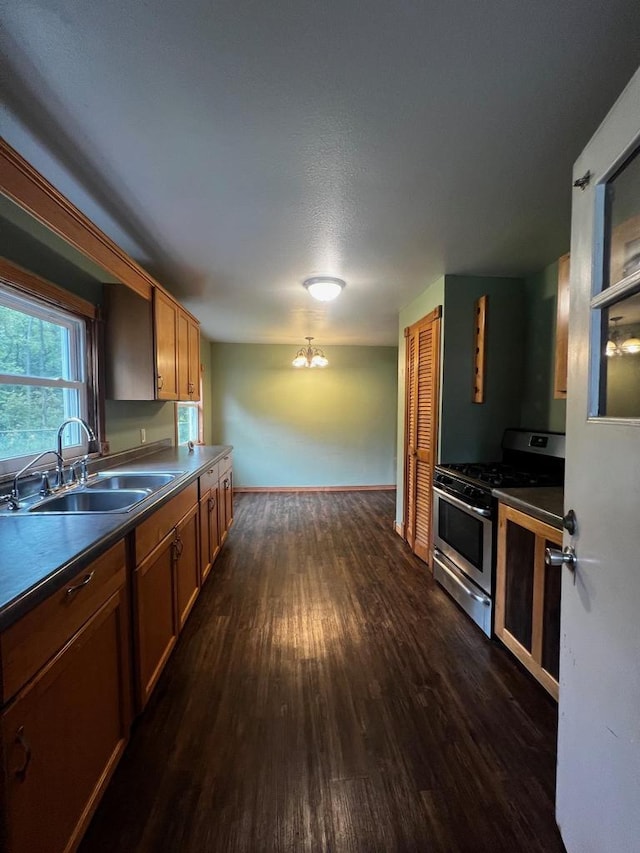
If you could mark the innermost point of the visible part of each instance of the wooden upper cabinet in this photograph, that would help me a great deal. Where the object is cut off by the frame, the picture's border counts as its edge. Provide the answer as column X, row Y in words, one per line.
column 194, row 360
column 165, row 314
column 188, row 355
column 152, row 349
column 562, row 330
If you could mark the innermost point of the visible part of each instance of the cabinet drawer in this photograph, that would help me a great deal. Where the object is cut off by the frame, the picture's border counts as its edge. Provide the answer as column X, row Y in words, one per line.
column 209, row 479
column 154, row 529
column 34, row 639
column 224, row 464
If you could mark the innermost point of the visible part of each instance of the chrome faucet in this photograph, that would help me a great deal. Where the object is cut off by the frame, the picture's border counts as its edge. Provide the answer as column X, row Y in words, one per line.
column 90, row 435
column 14, row 500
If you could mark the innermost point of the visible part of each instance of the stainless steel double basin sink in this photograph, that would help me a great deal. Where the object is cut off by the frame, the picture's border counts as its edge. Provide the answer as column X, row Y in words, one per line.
column 108, row 491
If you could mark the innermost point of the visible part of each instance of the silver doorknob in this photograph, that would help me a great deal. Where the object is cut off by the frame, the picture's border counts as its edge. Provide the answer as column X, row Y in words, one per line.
column 567, row 557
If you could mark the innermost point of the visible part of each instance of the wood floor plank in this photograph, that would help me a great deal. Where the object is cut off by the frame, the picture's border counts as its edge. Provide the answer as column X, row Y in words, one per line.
column 327, row 695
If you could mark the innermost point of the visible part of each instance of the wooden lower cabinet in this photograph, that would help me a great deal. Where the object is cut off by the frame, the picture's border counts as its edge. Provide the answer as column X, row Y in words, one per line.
column 209, row 531
column 65, row 667
column 527, row 615
column 155, row 623
column 166, row 583
column 225, row 497
column 186, row 564
column 64, row 732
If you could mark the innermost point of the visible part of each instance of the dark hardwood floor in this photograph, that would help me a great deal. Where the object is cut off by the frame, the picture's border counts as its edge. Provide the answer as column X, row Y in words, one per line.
column 327, row 695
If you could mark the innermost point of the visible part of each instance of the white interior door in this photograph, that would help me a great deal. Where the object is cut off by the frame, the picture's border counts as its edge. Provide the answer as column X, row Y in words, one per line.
column 598, row 791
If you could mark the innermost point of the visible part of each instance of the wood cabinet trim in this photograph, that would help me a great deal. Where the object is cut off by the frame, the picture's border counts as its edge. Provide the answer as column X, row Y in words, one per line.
column 31, row 191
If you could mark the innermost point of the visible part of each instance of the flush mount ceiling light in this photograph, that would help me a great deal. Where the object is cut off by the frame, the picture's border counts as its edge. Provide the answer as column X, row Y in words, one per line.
column 310, row 356
column 324, row 288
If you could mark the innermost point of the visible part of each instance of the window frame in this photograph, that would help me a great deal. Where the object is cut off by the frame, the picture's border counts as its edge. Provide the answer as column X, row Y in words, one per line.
column 606, row 295
column 195, row 404
column 47, row 298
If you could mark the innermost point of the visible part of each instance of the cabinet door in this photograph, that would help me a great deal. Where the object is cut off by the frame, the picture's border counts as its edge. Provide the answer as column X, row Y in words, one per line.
column 155, row 618
column 205, row 548
column 165, row 312
column 185, row 548
column 188, row 351
column 209, row 532
column 527, row 617
column 193, row 387
column 64, row 733
column 225, row 504
column 228, row 499
column 183, row 356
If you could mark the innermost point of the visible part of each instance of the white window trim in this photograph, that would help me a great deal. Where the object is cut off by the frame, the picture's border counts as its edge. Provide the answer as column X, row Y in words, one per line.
column 78, row 344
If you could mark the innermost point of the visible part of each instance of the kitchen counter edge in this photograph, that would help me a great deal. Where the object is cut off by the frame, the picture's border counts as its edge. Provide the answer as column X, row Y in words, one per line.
column 545, row 503
column 114, row 526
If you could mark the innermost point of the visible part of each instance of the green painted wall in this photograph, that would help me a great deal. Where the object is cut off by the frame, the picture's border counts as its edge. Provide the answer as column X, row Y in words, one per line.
column 125, row 418
column 539, row 410
column 207, row 389
column 472, row 431
column 331, row 427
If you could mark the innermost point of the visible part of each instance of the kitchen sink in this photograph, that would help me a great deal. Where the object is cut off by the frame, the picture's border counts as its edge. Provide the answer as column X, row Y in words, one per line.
column 93, row 501
column 133, row 480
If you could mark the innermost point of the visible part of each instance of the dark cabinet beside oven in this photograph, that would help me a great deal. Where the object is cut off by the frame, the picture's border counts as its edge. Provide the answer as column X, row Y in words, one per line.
column 527, row 610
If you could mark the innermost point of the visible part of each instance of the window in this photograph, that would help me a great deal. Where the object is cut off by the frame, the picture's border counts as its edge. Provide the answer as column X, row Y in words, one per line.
column 43, row 378
column 190, row 421
column 617, row 305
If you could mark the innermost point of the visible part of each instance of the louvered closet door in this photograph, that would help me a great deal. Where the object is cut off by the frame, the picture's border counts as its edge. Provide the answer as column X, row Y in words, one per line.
column 410, row 437
column 423, row 350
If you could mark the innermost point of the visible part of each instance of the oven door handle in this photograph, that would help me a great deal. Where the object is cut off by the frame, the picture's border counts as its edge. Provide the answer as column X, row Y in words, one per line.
column 476, row 510
column 453, row 574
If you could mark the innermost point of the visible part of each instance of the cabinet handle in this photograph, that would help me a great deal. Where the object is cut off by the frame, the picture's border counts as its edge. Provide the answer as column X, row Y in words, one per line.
column 21, row 740
column 178, row 547
column 85, row 580
column 212, row 504
column 160, row 382
column 226, row 483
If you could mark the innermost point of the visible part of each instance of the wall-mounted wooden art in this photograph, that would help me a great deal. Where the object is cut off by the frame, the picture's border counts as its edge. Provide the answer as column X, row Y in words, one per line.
column 479, row 347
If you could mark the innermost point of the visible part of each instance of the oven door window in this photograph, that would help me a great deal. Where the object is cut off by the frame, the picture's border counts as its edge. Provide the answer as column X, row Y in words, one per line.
column 462, row 532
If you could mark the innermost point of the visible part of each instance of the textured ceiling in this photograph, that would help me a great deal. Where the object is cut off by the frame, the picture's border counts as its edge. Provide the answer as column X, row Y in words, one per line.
column 235, row 148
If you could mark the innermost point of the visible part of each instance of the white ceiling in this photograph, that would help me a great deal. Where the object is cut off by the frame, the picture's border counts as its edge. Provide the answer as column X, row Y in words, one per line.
column 236, row 147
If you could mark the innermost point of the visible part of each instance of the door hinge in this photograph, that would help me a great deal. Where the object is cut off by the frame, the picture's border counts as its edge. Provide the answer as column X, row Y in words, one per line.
column 584, row 181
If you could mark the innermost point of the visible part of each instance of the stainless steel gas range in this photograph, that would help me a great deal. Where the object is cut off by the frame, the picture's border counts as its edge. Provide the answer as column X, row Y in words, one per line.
column 464, row 514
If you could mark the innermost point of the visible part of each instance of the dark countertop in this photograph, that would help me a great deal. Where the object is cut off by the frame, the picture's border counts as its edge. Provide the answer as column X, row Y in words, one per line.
column 39, row 553
column 542, row 502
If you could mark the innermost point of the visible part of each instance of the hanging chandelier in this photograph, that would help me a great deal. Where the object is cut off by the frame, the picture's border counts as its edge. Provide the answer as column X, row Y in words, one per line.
column 310, row 356
column 617, row 346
